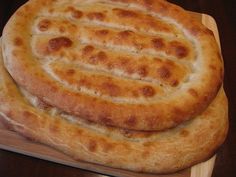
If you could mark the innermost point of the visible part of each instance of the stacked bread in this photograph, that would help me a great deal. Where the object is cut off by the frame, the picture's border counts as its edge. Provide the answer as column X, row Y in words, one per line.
column 131, row 84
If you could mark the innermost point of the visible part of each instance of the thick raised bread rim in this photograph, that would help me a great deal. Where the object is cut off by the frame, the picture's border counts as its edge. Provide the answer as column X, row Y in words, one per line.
column 179, row 107
column 164, row 152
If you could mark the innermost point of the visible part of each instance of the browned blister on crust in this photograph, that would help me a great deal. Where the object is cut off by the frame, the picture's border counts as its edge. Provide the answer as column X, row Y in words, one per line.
column 161, row 151
column 135, row 64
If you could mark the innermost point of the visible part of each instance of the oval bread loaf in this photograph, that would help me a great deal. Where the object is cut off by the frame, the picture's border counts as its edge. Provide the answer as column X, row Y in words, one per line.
column 155, row 152
column 134, row 64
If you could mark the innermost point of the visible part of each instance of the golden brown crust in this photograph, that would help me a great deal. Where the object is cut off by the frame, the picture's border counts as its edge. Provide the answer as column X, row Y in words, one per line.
column 182, row 90
column 161, row 152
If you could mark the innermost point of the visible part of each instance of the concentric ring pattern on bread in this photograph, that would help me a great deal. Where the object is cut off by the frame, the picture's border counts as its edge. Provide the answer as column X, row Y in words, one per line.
column 157, row 152
column 134, row 64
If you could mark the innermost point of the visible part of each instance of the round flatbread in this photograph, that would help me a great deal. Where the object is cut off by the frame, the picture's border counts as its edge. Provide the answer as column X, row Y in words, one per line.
column 156, row 152
column 135, row 64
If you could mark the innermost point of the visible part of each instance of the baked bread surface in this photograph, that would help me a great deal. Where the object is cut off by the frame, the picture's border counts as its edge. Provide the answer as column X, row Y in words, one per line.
column 134, row 64
column 153, row 152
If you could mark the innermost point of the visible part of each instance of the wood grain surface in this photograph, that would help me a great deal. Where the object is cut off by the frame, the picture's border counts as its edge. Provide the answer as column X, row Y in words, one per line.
column 13, row 142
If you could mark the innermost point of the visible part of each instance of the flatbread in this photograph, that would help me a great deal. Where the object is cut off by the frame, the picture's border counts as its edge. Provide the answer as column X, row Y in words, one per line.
column 134, row 64
column 156, row 152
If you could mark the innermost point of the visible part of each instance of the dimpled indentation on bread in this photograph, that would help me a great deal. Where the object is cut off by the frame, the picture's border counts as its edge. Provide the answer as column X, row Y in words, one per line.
column 110, row 50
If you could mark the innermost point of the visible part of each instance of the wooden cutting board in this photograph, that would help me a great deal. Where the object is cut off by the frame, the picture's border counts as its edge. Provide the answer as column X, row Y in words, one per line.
column 13, row 142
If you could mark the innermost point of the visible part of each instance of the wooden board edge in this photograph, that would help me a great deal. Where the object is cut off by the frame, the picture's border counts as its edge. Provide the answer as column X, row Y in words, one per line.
column 203, row 169
column 210, row 23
